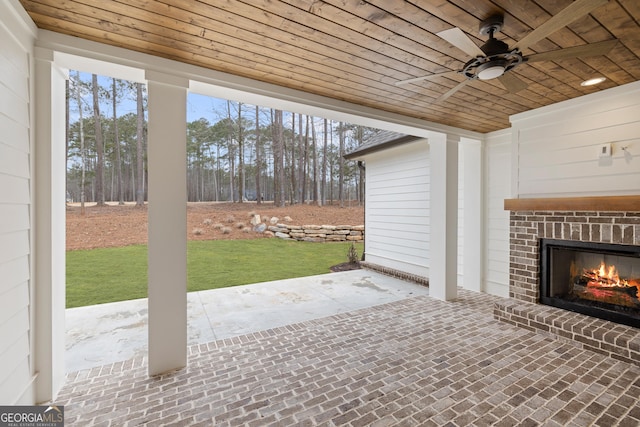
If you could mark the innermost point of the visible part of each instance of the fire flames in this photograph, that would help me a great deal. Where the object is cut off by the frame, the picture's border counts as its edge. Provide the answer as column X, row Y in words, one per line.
column 607, row 277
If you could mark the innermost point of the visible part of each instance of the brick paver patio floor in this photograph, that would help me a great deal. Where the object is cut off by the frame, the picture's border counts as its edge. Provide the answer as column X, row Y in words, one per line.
column 415, row 362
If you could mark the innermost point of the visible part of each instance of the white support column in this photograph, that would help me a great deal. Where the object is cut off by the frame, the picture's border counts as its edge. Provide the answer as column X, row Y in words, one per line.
column 473, row 215
column 167, row 162
column 48, row 213
column 444, row 216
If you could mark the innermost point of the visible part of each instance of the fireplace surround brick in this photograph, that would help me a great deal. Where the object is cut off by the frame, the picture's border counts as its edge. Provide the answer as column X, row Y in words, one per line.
column 527, row 227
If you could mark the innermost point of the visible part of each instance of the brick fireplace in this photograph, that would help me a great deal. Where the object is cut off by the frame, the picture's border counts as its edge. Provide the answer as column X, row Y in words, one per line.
column 611, row 220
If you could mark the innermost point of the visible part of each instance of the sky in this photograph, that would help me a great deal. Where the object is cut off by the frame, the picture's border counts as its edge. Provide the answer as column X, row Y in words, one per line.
column 204, row 106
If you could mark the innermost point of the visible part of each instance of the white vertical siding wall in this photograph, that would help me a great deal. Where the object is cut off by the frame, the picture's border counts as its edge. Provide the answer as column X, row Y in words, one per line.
column 397, row 208
column 16, row 41
column 557, row 148
column 497, row 188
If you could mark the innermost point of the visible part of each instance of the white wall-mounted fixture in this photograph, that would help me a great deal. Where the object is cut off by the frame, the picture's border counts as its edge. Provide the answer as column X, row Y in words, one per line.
column 605, row 150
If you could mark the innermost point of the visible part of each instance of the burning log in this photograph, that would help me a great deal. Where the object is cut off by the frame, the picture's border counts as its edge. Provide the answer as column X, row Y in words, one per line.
column 593, row 277
column 595, row 280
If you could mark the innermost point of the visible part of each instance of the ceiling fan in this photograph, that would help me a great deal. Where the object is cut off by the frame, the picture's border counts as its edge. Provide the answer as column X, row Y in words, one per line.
column 495, row 58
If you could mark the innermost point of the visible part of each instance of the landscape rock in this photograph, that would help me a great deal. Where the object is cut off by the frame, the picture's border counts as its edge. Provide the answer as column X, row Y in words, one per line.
column 255, row 220
column 260, row 228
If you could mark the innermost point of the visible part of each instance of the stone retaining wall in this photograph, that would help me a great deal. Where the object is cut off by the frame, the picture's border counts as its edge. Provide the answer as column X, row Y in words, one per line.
column 318, row 233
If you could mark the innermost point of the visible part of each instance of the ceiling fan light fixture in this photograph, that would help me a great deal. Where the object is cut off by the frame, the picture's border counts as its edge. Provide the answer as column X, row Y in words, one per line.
column 593, row 81
column 492, row 69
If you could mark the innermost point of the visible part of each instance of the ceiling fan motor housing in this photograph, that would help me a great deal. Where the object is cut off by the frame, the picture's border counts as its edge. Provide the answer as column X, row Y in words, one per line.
column 494, row 47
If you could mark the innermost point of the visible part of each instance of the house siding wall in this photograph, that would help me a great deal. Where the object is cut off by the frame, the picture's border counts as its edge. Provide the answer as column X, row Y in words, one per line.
column 497, row 188
column 16, row 386
column 397, row 213
column 557, row 148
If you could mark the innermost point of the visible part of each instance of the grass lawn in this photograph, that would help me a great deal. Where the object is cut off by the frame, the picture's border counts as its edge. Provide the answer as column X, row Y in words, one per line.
column 98, row 276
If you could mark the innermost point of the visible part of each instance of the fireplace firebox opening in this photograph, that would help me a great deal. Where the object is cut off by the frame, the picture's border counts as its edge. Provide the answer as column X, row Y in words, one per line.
column 596, row 279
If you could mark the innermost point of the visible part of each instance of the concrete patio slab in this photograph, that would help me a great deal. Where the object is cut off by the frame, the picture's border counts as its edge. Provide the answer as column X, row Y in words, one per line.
column 107, row 333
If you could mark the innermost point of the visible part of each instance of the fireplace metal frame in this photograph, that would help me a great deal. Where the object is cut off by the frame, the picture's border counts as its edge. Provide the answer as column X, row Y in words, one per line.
column 601, row 311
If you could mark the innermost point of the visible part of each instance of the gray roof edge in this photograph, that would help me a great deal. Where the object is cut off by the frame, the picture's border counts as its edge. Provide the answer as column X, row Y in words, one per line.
column 368, row 149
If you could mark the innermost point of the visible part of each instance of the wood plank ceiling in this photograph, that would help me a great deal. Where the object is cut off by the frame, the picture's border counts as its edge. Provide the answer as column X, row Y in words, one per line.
column 356, row 50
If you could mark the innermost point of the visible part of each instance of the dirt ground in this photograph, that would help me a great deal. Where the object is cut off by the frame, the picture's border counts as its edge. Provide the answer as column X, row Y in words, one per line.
column 113, row 225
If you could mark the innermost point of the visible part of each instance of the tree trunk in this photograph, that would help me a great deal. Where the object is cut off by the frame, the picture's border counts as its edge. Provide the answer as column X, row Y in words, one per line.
column 132, row 182
column 274, row 154
column 300, row 179
column 292, row 161
column 304, row 161
column 241, row 183
column 361, row 169
column 99, row 185
column 258, row 158
column 278, row 160
column 213, row 176
column 116, row 141
column 139, row 147
column 316, row 181
column 341, row 165
column 219, row 179
column 323, row 195
column 230, row 153
column 82, row 150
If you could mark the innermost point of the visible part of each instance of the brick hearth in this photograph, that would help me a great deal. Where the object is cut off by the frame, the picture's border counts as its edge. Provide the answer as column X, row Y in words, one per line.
column 527, row 228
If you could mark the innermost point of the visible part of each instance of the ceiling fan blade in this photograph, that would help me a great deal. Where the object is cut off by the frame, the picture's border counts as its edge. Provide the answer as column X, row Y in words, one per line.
column 459, row 39
column 451, row 91
column 574, row 11
column 591, row 49
column 430, row 76
column 512, row 83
